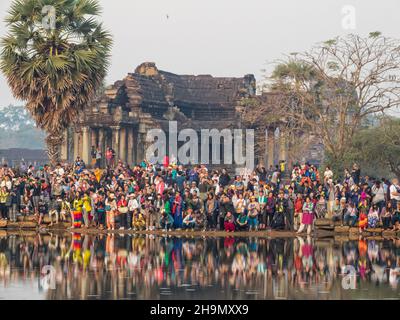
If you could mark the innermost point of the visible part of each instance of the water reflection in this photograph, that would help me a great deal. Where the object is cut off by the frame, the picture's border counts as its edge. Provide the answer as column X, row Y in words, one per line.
column 129, row 267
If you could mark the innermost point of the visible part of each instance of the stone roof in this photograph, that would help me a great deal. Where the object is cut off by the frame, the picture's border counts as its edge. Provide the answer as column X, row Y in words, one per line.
column 153, row 91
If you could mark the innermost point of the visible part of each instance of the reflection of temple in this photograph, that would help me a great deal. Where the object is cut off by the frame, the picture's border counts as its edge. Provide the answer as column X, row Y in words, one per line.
column 148, row 98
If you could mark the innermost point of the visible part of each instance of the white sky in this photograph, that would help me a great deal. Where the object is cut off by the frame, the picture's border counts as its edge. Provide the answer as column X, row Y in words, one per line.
column 224, row 37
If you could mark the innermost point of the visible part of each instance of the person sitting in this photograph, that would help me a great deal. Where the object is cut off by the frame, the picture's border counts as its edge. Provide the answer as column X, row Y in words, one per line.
column 242, row 222
column 386, row 215
column 43, row 209
column 200, row 220
column 396, row 218
column 373, row 217
column 362, row 220
column 229, row 224
column 166, row 221
column 338, row 209
column 350, row 216
column 320, row 208
column 189, row 221
column 138, row 221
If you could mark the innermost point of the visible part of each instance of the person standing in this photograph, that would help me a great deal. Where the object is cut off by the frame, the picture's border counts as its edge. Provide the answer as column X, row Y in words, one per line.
column 87, row 209
column 177, row 211
column 111, row 208
column 394, row 190
column 93, row 156
column 281, row 207
column 98, row 156
column 262, row 200
column 270, row 209
column 123, row 209
column 253, row 210
column 289, row 219
column 110, row 157
column 355, row 173
column 100, row 210
column 133, row 205
column 308, row 216
column 77, row 207
column 4, row 194
column 211, row 210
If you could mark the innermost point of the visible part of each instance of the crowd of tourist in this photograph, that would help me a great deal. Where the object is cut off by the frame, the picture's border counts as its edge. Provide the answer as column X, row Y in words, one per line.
column 175, row 197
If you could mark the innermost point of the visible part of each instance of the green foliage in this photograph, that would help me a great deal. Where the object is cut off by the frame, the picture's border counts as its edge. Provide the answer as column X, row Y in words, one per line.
column 375, row 149
column 56, row 71
column 375, row 34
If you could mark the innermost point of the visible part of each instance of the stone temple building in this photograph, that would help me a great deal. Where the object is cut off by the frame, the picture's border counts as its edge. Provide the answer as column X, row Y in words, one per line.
column 149, row 98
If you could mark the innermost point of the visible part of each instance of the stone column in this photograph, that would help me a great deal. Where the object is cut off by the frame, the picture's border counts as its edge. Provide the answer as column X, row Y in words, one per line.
column 282, row 146
column 115, row 141
column 94, row 137
column 270, row 149
column 122, row 145
column 140, row 149
column 101, row 144
column 86, row 145
column 130, row 157
column 64, row 146
column 76, row 145
column 141, row 141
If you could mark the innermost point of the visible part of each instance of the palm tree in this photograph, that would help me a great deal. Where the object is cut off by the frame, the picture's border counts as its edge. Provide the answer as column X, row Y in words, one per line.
column 56, row 68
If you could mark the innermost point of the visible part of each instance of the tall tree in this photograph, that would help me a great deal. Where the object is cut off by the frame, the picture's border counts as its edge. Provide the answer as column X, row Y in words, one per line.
column 55, row 57
column 377, row 148
column 330, row 89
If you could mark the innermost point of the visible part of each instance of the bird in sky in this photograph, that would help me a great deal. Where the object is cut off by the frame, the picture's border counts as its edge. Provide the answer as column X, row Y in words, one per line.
column 167, row 16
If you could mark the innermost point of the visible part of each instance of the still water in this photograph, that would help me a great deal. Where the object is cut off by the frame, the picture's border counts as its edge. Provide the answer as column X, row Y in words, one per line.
column 147, row 267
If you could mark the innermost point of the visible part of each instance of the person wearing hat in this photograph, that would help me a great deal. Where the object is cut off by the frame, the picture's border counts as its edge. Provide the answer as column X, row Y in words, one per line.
column 111, row 208
column 133, row 205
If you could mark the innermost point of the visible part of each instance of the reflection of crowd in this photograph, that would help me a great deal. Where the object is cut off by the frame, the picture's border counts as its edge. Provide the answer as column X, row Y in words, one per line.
column 116, row 267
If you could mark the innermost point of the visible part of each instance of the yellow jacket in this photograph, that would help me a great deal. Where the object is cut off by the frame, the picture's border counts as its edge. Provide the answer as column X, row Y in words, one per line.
column 3, row 196
column 78, row 204
column 87, row 203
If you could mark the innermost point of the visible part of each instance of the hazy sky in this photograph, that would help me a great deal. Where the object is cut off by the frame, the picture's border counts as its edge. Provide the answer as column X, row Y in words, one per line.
column 224, row 37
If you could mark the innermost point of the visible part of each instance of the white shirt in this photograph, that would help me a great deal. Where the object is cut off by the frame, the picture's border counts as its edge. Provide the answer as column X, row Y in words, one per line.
column 392, row 190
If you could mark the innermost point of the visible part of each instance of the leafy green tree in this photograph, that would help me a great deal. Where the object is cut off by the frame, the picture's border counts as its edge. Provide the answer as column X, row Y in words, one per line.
column 55, row 57
column 332, row 88
column 377, row 149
